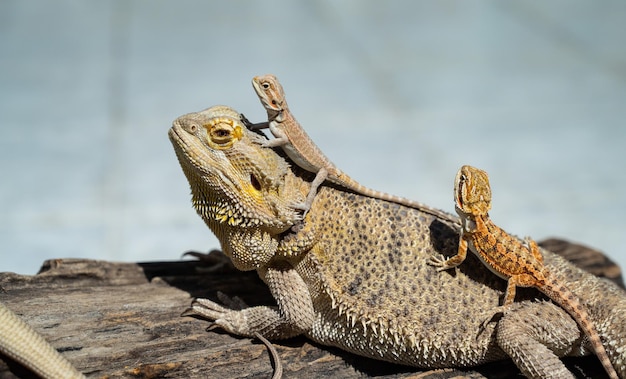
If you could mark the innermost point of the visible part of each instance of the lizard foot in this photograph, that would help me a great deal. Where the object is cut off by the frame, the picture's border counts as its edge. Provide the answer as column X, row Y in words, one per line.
column 301, row 207
column 215, row 259
column 440, row 263
column 233, row 321
column 229, row 317
column 251, row 125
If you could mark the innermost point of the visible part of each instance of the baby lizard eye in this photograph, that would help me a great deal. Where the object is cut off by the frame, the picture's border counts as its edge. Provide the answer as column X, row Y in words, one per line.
column 265, row 85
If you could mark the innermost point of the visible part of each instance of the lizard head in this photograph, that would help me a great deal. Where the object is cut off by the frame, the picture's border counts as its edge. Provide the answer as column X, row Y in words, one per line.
column 472, row 192
column 271, row 94
column 237, row 186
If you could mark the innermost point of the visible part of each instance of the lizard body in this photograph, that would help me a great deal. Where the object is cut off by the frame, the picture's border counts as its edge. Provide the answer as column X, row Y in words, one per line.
column 301, row 149
column 23, row 344
column 354, row 272
column 520, row 264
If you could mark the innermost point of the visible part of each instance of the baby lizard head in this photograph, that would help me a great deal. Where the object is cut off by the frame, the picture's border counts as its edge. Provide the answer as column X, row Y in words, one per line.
column 271, row 94
column 472, row 192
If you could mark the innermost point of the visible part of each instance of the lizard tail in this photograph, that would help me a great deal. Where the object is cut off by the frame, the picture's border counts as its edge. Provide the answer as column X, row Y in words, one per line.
column 23, row 344
column 571, row 303
column 346, row 181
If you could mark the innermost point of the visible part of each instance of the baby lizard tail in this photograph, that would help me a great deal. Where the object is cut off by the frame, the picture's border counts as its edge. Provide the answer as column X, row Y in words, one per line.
column 301, row 149
column 563, row 296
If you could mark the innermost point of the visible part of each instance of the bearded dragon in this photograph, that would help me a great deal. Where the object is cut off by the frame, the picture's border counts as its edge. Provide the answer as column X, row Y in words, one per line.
column 301, row 149
column 354, row 272
column 520, row 264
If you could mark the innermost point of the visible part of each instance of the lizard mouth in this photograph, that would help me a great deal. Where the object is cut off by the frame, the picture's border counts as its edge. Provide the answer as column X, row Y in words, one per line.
column 175, row 135
column 179, row 139
column 191, row 152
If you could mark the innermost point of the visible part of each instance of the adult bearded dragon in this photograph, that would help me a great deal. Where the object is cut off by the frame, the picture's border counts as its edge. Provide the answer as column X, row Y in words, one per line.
column 354, row 272
column 521, row 264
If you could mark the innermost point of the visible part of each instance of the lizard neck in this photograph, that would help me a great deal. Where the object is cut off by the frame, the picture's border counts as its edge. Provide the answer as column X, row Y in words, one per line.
column 280, row 116
column 472, row 222
column 468, row 222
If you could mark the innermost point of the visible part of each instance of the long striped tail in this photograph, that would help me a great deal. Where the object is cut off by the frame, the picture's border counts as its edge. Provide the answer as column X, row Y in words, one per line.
column 23, row 344
column 346, row 181
column 563, row 296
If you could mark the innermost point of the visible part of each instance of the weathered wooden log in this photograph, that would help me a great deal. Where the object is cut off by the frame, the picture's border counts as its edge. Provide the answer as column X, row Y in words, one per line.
column 122, row 320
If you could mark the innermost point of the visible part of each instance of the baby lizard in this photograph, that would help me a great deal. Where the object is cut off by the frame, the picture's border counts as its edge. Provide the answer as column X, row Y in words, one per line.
column 520, row 263
column 301, row 149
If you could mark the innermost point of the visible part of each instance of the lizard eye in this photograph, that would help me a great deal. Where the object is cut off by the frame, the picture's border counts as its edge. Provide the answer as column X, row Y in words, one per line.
column 223, row 134
column 265, row 85
column 220, row 135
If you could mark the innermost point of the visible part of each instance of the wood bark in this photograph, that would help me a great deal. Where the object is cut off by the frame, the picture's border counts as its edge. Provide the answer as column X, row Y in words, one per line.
column 122, row 320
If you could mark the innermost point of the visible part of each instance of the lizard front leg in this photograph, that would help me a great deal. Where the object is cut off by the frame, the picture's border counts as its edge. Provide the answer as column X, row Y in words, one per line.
column 452, row 262
column 293, row 316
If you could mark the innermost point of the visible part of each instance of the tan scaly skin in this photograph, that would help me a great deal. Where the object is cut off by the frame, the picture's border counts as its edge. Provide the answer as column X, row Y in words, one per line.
column 23, row 344
column 300, row 148
column 354, row 273
column 521, row 264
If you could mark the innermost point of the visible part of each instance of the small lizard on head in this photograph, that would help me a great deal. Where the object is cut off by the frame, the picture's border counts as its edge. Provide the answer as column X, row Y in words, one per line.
column 506, row 256
column 301, row 149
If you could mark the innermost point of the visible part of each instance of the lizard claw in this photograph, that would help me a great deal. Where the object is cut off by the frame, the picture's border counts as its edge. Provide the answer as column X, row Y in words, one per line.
column 439, row 263
column 300, row 207
column 252, row 125
column 231, row 320
column 215, row 259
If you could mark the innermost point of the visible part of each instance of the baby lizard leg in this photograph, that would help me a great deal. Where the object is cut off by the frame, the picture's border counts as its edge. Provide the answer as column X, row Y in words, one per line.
column 320, row 177
column 509, row 296
column 453, row 261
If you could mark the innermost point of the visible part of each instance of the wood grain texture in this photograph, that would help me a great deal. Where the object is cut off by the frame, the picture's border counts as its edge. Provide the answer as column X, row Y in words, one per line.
column 122, row 320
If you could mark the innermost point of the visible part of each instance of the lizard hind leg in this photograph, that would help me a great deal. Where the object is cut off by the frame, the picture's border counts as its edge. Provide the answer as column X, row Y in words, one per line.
column 320, row 177
column 509, row 297
column 534, row 335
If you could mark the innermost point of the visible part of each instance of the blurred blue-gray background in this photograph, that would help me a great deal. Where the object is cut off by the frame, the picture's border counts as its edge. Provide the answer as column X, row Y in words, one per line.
column 399, row 94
